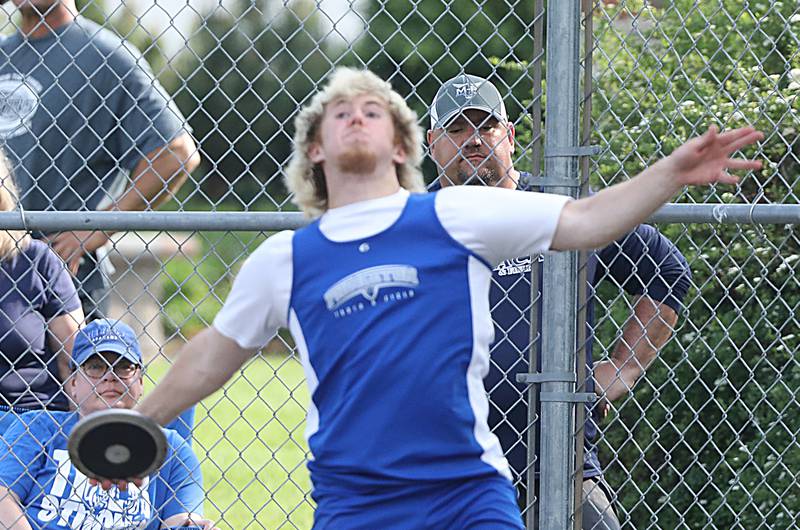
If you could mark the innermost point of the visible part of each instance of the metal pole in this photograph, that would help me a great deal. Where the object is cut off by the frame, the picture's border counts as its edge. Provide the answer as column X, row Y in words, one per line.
column 49, row 221
column 560, row 270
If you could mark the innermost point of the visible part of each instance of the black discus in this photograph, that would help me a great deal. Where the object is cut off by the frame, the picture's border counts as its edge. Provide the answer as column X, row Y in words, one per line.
column 117, row 444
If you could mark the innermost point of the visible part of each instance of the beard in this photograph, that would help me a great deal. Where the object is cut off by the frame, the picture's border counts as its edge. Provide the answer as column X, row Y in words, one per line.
column 486, row 173
column 482, row 177
column 358, row 161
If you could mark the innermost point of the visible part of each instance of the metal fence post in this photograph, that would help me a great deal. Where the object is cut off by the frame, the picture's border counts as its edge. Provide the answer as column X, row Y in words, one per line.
column 560, row 270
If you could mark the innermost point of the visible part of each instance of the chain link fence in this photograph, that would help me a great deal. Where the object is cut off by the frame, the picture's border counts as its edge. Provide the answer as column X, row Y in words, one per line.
column 706, row 439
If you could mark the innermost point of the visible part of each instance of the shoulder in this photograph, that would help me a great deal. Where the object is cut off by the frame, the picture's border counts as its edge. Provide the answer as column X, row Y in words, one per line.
column 180, row 453
column 40, row 422
column 38, row 250
column 106, row 45
column 174, row 440
column 492, row 201
column 274, row 249
column 39, row 255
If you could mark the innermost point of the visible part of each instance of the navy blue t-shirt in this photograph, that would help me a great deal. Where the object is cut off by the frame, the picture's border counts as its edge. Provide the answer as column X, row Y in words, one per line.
column 34, row 288
column 642, row 262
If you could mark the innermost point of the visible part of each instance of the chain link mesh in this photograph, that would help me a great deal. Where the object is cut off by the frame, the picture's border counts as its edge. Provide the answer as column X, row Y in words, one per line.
column 708, row 439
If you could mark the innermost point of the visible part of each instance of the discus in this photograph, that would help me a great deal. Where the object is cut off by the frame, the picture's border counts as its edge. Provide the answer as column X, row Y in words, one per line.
column 117, row 444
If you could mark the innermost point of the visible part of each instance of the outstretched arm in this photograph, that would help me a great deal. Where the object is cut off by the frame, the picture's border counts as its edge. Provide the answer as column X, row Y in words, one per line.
column 597, row 220
column 204, row 364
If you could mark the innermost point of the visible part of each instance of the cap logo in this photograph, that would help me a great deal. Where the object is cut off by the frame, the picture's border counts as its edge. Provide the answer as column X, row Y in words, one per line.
column 104, row 335
column 466, row 90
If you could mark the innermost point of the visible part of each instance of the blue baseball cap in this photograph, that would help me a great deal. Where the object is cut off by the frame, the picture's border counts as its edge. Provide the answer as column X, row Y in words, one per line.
column 106, row 335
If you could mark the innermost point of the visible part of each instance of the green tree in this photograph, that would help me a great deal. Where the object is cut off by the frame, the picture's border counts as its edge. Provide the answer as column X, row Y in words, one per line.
column 240, row 81
column 710, row 438
column 419, row 44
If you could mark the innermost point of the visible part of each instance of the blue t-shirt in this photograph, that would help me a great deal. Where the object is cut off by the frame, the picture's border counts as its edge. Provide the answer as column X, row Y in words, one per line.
column 55, row 495
column 35, row 287
column 79, row 108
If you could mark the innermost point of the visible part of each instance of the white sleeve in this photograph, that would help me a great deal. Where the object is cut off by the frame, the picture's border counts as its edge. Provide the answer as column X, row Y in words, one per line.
column 499, row 224
column 258, row 303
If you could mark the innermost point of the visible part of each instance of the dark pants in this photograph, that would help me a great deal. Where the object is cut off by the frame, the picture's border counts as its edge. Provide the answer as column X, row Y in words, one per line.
column 597, row 510
column 95, row 303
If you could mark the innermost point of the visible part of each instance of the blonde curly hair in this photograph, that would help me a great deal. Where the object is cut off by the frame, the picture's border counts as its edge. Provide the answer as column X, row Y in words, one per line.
column 306, row 180
column 11, row 241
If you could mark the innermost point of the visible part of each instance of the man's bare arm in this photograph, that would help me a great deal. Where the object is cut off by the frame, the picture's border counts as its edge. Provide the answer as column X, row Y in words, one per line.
column 647, row 330
column 154, row 180
column 602, row 218
column 159, row 174
column 204, row 364
column 11, row 515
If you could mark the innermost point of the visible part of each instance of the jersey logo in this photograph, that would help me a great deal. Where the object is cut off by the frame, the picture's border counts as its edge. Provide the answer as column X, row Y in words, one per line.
column 19, row 97
column 516, row 265
column 368, row 283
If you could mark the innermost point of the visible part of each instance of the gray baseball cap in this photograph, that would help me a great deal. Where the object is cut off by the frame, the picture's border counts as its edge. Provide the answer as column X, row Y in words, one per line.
column 464, row 92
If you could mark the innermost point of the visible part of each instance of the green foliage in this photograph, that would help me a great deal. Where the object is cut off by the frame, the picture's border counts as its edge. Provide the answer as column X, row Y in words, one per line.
column 418, row 45
column 249, row 439
column 716, row 444
column 193, row 290
column 239, row 83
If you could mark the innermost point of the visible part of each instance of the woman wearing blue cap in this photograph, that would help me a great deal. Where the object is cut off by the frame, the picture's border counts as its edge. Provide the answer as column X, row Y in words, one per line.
column 40, row 488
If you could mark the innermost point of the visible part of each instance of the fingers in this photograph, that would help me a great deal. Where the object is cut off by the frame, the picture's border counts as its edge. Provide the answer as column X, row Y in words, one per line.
column 708, row 138
column 121, row 485
column 736, row 164
column 726, row 178
column 745, row 137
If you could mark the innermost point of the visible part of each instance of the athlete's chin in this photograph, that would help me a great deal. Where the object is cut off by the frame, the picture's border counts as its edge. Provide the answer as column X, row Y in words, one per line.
column 357, row 161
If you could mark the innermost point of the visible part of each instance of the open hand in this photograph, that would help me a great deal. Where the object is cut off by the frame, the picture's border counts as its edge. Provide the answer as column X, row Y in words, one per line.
column 71, row 246
column 707, row 158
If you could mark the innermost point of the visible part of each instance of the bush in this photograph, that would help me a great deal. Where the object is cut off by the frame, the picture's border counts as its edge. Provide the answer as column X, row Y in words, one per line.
column 711, row 437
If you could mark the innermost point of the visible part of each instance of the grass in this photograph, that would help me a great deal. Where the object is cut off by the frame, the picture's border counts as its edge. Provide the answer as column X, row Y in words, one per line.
column 249, row 439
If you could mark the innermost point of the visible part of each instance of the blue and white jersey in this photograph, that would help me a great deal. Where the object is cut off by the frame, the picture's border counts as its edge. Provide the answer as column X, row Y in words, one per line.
column 393, row 399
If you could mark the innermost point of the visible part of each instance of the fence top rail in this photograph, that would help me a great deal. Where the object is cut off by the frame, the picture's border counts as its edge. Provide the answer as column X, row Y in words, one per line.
column 271, row 221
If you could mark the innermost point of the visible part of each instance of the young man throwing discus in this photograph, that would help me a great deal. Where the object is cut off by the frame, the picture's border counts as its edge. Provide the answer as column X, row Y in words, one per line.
column 396, row 425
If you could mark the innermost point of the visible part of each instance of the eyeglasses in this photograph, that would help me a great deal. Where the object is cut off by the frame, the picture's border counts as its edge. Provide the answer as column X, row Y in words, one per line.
column 97, row 368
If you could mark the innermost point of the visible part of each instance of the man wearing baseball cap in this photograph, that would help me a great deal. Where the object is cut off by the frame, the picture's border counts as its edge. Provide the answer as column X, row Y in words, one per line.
column 37, row 474
column 462, row 105
column 472, row 142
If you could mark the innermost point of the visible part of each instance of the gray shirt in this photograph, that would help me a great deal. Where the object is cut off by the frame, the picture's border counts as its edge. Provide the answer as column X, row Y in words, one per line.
column 78, row 109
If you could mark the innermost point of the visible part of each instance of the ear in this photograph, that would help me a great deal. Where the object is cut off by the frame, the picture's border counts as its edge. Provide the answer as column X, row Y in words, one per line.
column 315, row 153
column 511, row 134
column 399, row 156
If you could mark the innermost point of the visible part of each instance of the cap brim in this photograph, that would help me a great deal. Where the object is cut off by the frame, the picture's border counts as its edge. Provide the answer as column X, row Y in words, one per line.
column 108, row 346
column 448, row 118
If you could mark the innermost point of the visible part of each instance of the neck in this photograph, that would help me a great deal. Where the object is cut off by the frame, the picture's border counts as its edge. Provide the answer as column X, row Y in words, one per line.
column 348, row 188
column 37, row 24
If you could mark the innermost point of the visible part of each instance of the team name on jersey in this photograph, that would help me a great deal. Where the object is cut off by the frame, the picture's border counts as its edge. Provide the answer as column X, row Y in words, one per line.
column 367, row 284
column 516, row 265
